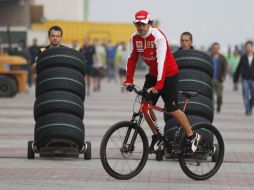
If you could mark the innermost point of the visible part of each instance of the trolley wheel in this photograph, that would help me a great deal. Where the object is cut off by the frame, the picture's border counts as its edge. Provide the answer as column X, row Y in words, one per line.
column 30, row 151
column 87, row 152
column 216, row 155
column 159, row 155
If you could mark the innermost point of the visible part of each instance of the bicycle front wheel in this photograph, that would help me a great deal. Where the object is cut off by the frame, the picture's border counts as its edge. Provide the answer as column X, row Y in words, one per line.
column 207, row 159
column 124, row 150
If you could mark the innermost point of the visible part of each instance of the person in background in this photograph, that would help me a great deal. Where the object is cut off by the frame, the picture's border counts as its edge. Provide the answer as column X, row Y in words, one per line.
column 233, row 61
column 245, row 69
column 33, row 50
column 111, row 56
column 121, row 59
column 55, row 34
column 186, row 41
column 88, row 50
column 99, row 64
column 75, row 45
column 23, row 51
column 219, row 74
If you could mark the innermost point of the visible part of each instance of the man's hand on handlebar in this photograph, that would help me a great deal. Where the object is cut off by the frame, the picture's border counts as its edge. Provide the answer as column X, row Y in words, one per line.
column 128, row 86
column 153, row 90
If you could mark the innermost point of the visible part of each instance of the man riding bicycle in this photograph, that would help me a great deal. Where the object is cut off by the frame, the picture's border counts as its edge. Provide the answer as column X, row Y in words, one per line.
column 162, row 79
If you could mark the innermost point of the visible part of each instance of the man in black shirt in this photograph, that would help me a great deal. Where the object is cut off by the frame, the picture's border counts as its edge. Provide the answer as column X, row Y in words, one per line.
column 34, row 49
column 186, row 41
column 55, row 34
column 88, row 50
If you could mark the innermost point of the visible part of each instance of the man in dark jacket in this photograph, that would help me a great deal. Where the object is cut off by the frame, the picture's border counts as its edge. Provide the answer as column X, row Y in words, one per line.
column 246, row 70
column 186, row 41
column 55, row 34
column 88, row 50
column 219, row 74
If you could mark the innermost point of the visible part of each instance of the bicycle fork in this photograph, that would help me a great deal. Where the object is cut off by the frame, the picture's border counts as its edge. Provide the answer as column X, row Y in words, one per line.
column 131, row 146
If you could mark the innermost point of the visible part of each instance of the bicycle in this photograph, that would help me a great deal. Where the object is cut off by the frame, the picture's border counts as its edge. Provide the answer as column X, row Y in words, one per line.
column 124, row 148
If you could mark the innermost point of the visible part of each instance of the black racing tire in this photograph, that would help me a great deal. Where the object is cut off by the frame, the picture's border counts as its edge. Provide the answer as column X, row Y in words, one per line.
column 61, row 57
column 60, row 79
column 117, row 150
column 193, row 165
column 194, row 59
column 172, row 125
column 193, row 80
column 59, row 126
column 8, row 86
column 199, row 105
column 88, row 151
column 30, row 151
column 216, row 155
column 58, row 101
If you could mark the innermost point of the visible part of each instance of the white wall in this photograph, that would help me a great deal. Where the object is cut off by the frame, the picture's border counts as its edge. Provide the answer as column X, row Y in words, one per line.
column 40, row 35
column 68, row 10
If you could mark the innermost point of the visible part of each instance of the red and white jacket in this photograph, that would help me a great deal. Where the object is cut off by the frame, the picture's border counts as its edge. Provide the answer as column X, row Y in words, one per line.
column 155, row 52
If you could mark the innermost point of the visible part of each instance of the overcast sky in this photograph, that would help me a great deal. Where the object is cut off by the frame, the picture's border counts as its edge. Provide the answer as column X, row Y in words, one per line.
column 226, row 21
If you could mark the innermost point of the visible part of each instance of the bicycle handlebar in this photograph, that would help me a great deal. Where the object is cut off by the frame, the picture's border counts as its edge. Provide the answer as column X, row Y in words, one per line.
column 144, row 93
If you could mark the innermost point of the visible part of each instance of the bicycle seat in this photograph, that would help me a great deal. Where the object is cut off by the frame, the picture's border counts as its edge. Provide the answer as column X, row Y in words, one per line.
column 188, row 94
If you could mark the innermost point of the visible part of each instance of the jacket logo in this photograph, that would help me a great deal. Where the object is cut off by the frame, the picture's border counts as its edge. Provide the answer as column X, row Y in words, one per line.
column 149, row 44
column 139, row 44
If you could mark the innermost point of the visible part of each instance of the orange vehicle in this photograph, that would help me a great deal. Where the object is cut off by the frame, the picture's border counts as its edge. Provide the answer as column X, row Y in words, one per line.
column 13, row 77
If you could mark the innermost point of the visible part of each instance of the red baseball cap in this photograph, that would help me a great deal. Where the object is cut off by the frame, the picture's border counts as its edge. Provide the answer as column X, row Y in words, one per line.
column 142, row 16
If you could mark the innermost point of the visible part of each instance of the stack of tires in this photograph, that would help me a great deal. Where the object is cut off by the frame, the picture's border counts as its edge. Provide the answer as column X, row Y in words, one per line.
column 59, row 105
column 196, row 72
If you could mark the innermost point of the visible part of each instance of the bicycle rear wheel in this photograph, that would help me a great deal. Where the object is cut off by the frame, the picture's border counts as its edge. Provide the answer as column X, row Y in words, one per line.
column 124, row 150
column 207, row 159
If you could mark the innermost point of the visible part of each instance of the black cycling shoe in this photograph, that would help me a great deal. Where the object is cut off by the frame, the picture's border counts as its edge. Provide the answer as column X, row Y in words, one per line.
column 155, row 139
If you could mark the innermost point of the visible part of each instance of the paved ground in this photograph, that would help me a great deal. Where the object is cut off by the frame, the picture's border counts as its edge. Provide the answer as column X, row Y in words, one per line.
column 101, row 111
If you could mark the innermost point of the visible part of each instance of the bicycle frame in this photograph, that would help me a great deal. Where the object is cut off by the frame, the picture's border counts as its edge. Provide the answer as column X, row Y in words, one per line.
column 145, row 106
column 144, row 109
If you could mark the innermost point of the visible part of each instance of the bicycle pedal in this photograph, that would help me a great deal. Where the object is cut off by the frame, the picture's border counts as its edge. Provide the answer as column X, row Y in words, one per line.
column 168, row 155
